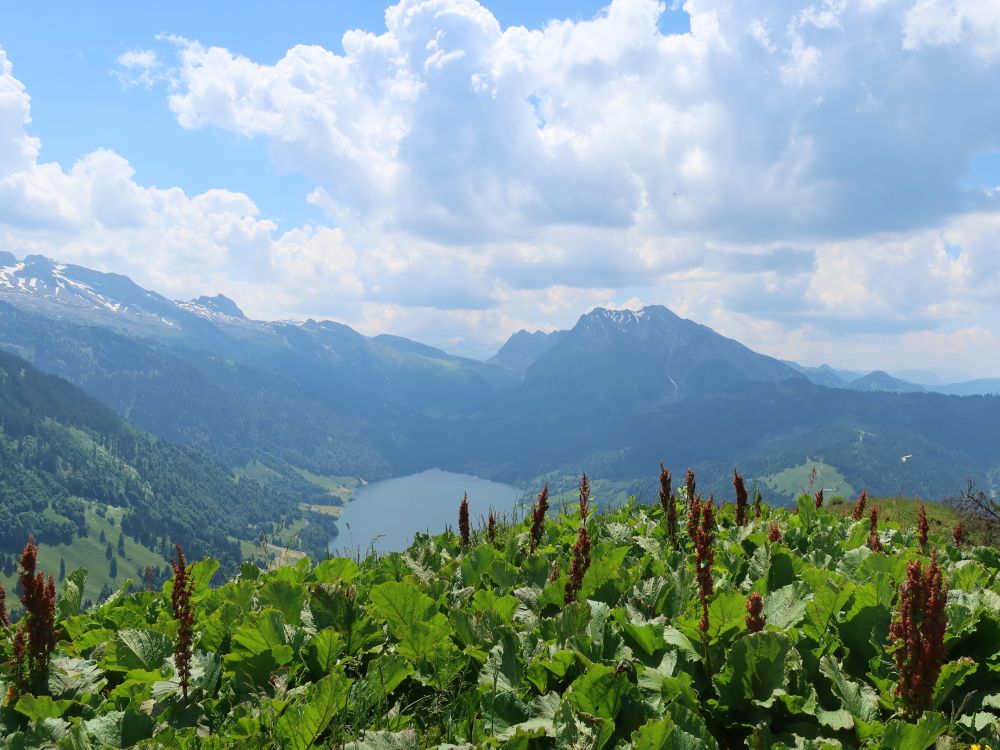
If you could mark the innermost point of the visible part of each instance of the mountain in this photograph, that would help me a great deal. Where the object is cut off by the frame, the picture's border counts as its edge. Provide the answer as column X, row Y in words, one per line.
column 881, row 381
column 645, row 358
column 523, row 348
column 611, row 396
column 69, row 463
column 982, row 387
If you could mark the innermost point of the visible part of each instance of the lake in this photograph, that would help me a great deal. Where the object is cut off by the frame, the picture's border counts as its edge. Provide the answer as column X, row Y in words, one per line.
column 388, row 513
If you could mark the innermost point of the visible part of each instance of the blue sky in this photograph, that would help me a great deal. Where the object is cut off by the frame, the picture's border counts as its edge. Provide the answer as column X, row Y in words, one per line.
column 817, row 179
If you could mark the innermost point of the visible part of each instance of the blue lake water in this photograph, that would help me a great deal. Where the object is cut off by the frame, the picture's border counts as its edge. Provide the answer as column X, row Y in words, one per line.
column 385, row 515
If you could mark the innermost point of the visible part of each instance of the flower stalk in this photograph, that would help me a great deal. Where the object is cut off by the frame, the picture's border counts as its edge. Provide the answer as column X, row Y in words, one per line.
column 463, row 520
column 859, row 507
column 578, row 568
column 755, row 613
column 874, row 542
column 584, row 497
column 667, row 503
column 818, row 498
column 538, row 517
column 741, row 498
column 184, row 614
column 923, row 527
column 918, row 634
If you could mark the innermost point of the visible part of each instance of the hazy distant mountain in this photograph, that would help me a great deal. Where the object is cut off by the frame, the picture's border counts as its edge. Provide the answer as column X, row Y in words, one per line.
column 612, row 395
column 523, row 348
column 923, row 377
column 982, row 387
column 881, row 381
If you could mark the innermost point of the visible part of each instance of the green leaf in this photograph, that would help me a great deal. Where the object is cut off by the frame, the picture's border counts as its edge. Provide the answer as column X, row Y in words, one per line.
column 405, row 740
column 485, row 600
column 41, row 707
column 653, row 735
column 476, row 563
column 285, row 596
column 599, row 691
column 952, row 675
column 120, row 728
column 336, row 570
column 786, row 607
column 757, row 671
column 401, row 604
column 337, row 607
column 202, row 573
column 305, row 720
column 71, row 596
column 648, row 638
column 141, row 649
column 321, row 653
column 260, row 632
column 807, row 510
column 859, row 700
column 900, row 735
column 726, row 613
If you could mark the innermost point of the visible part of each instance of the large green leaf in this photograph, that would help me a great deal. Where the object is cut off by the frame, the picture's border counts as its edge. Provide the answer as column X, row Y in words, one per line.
column 304, row 721
column 859, row 700
column 599, row 691
column 336, row 570
column 757, row 670
column 338, row 608
column 288, row 597
column 953, row 674
column 900, row 735
column 41, row 707
column 71, row 594
column 786, row 607
column 402, row 604
column 140, row 649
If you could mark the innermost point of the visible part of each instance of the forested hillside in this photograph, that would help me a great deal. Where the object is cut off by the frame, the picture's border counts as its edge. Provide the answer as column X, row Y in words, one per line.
column 62, row 453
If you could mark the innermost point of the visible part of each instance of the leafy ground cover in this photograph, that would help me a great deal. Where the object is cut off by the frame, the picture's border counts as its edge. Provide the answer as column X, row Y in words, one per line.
column 774, row 633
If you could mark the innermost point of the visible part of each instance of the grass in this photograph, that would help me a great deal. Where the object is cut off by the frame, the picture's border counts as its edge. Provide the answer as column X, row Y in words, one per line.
column 795, row 480
column 338, row 486
column 256, row 471
column 906, row 510
column 88, row 552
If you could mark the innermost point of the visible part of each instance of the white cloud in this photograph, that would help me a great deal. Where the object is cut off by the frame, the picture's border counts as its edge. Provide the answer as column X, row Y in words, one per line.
column 139, row 67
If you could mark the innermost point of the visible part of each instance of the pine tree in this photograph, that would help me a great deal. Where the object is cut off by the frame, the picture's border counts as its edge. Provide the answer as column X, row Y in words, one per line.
column 62, row 570
column 121, row 544
column 113, row 567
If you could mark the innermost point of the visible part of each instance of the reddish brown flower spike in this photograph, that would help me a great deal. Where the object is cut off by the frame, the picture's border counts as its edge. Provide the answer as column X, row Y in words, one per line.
column 741, row 498
column 774, row 533
column 491, row 527
column 755, row 613
column 184, row 614
column 667, row 502
column 859, row 507
column 554, row 572
column 38, row 597
column 918, row 634
column 874, row 543
column 463, row 520
column 4, row 620
column 584, row 497
column 758, row 502
column 922, row 527
column 578, row 568
column 704, row 559
column 958, row 533
column 818, row 498
column 538, row 517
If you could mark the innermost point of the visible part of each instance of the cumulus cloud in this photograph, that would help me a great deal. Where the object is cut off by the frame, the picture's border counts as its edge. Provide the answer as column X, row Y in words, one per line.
column 139, row 67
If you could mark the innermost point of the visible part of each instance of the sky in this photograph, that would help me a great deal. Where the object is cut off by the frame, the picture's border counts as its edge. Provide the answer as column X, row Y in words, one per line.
column 820, row 181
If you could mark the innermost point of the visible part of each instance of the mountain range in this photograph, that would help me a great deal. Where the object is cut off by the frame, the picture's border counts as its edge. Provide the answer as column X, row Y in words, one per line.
column 612, row 395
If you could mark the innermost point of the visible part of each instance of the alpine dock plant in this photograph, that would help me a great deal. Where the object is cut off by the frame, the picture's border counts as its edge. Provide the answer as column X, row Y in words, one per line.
column 584, row 504
column 741, row 499
column 918, row 634
column 958, row 533
column 4, row 620
column 183, row 612
column 874, row 541
column 758, row 503
column 578, row 568
column 667, row 503
column 37, row 627
column 755, row 620
column 818, row 498
column 741, row 642
column 463, row 520
column 923, row 527
column 538, row 518
column 704, row 559
column 859, row 507
column 491, row 527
